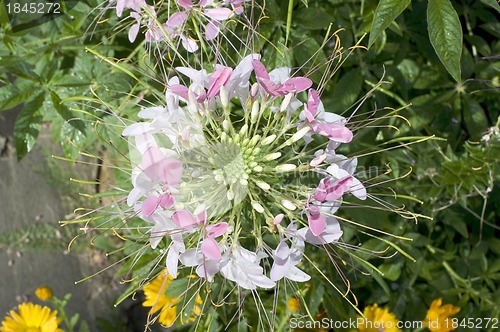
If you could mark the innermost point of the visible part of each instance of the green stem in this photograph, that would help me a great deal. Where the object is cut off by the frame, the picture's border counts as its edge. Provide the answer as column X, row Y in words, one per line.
column 289, row 20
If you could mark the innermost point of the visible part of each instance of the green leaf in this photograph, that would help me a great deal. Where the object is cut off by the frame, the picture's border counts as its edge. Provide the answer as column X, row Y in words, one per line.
column 66, row 114
column 13, row 95
column 178, row 287
column 445, row 33
column 386, row 12
column 24, row 70
column 73, row 320
column 346, row 91
column 84, row 327
column 314, row 18
column 28, row 125
column 309, row 52
column 493, row 4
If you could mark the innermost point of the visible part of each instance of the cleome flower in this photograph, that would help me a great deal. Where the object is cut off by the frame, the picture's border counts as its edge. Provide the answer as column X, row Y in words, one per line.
column 208, row 13
column 218, row 168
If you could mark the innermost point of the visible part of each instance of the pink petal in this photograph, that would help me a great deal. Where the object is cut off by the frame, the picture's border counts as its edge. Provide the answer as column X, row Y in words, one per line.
column 218, row 79
column 320, row 194
column 184, row 219
column 172, row 172
column 263, row 78
column 152, row 157
column 167, row 201
column 177, row 19
column 294, row 85
column 149, row 205
column 219, row 14
column 165, row 169
column 211, row 249
column 335, row 132
column 132, row 33
column 202, row 217
column 216, row 230
column 318, row 160
column 189, row 44
column 338, row 189
column 186, row 4
column 317, row 222
column 212, row 30
column 260, row 70
column 154, row 34
column 204, row 3
column 237, row 6
column 180, row 90
column 329, row 190
column 313, row 102
column 277, row 220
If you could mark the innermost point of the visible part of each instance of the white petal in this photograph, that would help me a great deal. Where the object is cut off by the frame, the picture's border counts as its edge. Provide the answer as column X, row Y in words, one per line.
column 298, row 275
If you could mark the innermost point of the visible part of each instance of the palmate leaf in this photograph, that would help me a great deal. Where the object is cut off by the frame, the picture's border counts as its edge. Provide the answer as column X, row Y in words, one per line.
column 386, row 12
column 445, row 33
column 28, row 125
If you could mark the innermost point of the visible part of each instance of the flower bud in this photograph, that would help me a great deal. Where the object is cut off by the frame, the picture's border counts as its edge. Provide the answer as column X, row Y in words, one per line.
column 298, row 135
column 286, row 102
column 268, row 140
column 44, row 293
column 224, row 98
column 257, row 169
column 254, row 90
column 243, row 130
column 257, row 207
column 254, row 140
column 289, row 205
column 255, row 112
column 225, row 125
column 263, row 185
column 272, row 156
column 285, row 168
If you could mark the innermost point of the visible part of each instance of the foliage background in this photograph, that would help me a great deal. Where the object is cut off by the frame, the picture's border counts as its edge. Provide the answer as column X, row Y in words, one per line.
column 447, row 87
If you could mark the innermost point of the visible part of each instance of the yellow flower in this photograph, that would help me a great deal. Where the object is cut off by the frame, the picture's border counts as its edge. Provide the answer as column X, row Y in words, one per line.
column 159, row 301
column 31, row 318
column 438, row 316
column 293, row 304
column 377, row 320
column 43, row 293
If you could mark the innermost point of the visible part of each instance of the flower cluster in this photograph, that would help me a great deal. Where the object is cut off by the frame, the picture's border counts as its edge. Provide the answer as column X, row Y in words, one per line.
column 209, row 13
column 219, row 169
